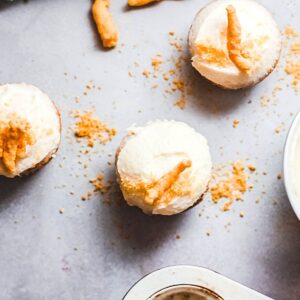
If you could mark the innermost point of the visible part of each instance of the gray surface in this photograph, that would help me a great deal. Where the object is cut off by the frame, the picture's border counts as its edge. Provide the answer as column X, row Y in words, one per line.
column 42, row 40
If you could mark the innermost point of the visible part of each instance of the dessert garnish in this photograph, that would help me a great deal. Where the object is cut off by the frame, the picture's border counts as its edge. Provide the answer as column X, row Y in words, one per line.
column 15, row 136
column 237, row 52
column 164, row 167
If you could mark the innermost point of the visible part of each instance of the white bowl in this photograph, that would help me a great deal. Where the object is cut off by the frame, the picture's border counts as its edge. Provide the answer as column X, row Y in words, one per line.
column 204, row 283
column 289, row 158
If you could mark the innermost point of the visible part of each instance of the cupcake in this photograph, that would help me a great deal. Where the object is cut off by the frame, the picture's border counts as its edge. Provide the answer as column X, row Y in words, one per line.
column 234, row 43
column 164, row 167
column 30, row 129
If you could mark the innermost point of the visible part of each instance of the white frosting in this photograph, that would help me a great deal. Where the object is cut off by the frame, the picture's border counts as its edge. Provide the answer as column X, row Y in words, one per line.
column 36, row 107
column 150, row 152
column 257, row 24
column 294, row 164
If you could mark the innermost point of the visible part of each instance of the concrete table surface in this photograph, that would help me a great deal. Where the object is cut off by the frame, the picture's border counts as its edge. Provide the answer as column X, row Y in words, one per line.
column 97, row 251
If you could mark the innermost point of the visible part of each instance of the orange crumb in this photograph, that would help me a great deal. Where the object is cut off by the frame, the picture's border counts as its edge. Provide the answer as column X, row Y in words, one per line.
column 251, row 167
column 264, row 101
column 15, row 136
column 290, row 32
column 278, row 129
column 178, row 84
column 156, row 62
column 93, row 129
column 293, row 69
column 276, row 89
column 146, row 73
column 177, row 45
column 99, row 184
column 87, row 196
column 292, row 65
column 166, row 76
column 295, row 48
column 235, row 123
column 181, row 102
column 231, row 186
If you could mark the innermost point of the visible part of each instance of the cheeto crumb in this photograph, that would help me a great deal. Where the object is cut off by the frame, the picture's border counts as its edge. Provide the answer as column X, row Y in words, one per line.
column 231, row 185
column 238, row 55
column 251, row 167
column 235, row 123
column 156, row 62
column 92, row 128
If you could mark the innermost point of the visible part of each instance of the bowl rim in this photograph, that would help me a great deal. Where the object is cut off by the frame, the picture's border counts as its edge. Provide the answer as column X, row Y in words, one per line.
column 290, row 141
column 182, row 275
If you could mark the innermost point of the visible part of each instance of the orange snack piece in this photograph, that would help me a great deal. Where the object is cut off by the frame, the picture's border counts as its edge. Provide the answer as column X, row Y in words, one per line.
column 238, row 55
column 105, row 23
column 162, row 188
column 140, row 2
column 15, row 136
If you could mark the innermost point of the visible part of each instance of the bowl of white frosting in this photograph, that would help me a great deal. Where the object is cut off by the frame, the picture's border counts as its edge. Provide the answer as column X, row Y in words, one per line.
column 189, row 282
column 292, row 165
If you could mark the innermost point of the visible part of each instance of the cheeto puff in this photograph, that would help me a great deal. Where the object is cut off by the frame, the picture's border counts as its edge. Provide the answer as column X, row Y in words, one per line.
column 105, row 24
column 140, row 2
column 234, row 44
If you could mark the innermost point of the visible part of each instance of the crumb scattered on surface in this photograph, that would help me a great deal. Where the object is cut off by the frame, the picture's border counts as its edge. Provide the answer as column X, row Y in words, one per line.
column 181, row 103
column 173, row 77
column 100, row 185
column 229, row 185
column 292, row 64
column 290, row 32
column 235, row 123
column 156, row 62
column 87, row 196
column 264, row 100
column 92, row 128
column 251, row 167
column 146, row 73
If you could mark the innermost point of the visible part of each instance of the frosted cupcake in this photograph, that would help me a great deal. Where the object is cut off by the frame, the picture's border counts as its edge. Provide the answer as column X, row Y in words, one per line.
column 30, row 129
column 234, row 43
column 164, row 167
